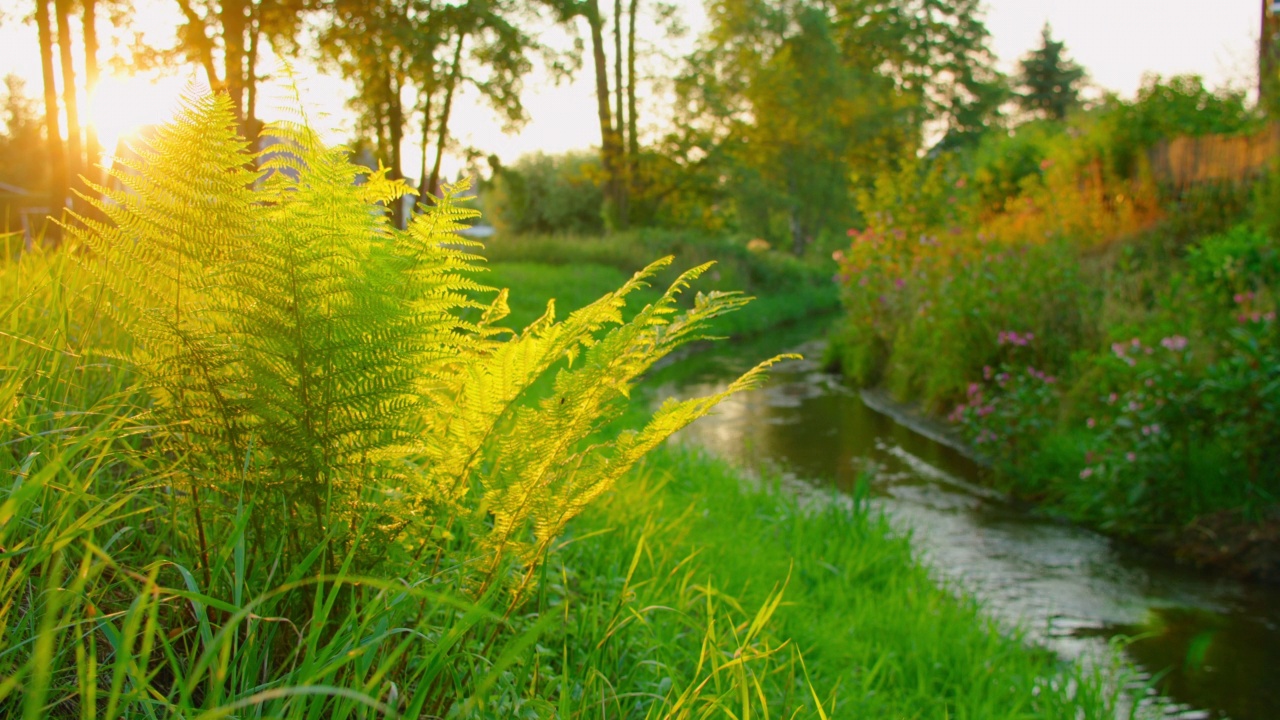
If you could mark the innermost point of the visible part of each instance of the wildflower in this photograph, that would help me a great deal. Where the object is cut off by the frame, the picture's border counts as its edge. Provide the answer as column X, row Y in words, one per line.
column 853, row 232
column 960, row 184
column 1134, row 406
column 1091, row 423
column 987, row 372
column 1130, row 456
column 838, row 256
column 1086, row 473
column 1149, row 382
column 1111, row 399
column 974, row 389
column 1176, row 343
column 1046, row 164
column 899, row 283
column 1136, row 343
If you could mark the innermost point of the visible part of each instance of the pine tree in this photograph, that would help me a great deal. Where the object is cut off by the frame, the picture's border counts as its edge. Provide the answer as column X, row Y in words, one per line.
column 1049, row 80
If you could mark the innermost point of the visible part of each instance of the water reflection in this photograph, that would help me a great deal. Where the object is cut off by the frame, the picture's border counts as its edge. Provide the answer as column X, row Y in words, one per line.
column 1214, row 644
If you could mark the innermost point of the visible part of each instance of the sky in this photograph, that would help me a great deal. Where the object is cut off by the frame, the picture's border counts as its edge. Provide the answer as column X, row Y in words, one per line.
column 1117, row 41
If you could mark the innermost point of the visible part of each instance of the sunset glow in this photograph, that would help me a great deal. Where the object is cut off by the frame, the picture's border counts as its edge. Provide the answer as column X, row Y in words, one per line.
column 122, row 105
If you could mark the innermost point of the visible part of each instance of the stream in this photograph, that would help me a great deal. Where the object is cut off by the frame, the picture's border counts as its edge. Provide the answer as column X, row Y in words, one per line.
column 1209, row 646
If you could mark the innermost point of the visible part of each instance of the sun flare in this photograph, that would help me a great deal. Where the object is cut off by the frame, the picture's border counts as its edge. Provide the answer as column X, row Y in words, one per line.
column 122, row 105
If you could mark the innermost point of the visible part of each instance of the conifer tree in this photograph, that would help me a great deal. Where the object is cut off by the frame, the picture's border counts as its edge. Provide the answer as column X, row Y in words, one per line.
column 1049, row 80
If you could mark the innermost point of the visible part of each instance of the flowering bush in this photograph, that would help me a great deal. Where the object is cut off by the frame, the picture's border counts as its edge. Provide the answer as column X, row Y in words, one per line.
column 1007, row 413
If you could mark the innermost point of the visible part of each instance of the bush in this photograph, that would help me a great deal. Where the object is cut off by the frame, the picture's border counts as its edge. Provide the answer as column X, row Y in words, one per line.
column 543, row 193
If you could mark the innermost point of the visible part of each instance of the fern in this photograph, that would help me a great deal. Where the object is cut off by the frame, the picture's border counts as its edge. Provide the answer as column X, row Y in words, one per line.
column 339, row 375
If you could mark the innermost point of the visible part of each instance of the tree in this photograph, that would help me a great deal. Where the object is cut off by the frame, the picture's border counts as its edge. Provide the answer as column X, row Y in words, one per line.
column 787, row 105
column 57, row 157
column 394, row 49
column 1049, row 80
column 24, row 155
column 233, row 32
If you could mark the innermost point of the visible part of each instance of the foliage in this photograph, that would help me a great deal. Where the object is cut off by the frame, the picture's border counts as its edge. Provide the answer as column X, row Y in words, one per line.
column 22, row 145
column 548, row 194
column 1146, row 398
column 320, row 405
column 883, row 70
column 1050, row 80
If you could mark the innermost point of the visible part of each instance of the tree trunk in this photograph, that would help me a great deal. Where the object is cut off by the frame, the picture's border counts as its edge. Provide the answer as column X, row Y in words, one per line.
column 252, row 127
column 454, row 73
column 624, row 182
column 395, row 121
column 633, row 136
column 197, row 36
column 92, row 147
column 75, row 152
column 424, row 186
column 57, row 154
column 232, row 16
column 609, row 142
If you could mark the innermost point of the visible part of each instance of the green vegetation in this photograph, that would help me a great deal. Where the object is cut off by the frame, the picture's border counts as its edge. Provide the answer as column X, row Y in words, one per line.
column 1103, row 329
column 270, row 458
column 786, row 289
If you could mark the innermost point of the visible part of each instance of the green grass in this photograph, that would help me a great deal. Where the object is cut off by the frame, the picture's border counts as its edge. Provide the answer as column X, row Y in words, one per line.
column 786, row 289
column 688, row 541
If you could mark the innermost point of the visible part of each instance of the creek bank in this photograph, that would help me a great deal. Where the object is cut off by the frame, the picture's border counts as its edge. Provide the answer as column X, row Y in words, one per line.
column 1225, row 543
column 1056, row 583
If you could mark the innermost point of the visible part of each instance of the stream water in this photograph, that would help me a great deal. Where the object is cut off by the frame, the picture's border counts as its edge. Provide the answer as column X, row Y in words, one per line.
column 1210, row 646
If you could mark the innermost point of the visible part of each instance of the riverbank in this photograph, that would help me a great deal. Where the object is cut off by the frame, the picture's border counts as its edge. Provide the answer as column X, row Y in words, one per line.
column 687, row 537
column 1106, row 338
column 1228, row 543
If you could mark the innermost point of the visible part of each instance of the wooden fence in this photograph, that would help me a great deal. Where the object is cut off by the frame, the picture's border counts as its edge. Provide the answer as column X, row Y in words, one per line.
column 1187, row 161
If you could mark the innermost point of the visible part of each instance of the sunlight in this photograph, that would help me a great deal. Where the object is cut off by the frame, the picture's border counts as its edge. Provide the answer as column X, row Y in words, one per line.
column 124, row 104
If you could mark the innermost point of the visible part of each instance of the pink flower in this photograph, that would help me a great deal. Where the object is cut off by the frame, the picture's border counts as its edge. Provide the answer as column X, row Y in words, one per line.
column 838, row 256
column 1046, row 164
column 987, row 372
column 1176, row 343
column 1111, row 399
column 1086, row 473
column 1091, row 423
column 1130, row 456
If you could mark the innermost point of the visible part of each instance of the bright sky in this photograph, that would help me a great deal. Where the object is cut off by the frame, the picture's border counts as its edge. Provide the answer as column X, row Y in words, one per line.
column 1117, row 41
